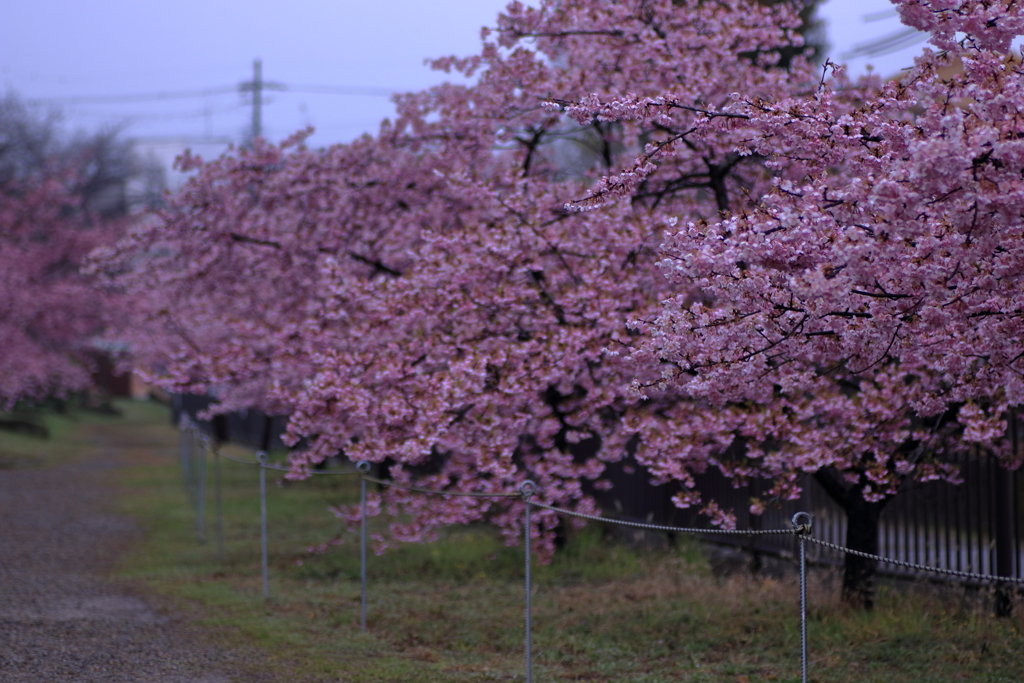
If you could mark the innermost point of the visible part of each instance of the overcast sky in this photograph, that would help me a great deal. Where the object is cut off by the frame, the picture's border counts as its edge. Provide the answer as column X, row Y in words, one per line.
column 54, row 50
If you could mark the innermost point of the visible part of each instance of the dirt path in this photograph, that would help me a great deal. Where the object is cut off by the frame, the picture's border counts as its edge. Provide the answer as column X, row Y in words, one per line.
column 60, row 618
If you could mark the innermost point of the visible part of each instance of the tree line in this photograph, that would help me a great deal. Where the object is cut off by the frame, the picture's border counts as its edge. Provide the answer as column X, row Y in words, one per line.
column 646, row 230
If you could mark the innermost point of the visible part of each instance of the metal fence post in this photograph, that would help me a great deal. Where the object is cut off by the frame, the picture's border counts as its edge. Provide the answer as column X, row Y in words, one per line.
column 192, row 488
column 261, row 457
column 201, row 489
column 183, row 434
column 218, row 505
column 802, row 522
column 363, row 467
column 186, row 461
column 528, row 488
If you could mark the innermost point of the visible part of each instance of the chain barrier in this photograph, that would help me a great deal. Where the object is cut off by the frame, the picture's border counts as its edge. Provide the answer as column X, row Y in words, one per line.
column 920, row 567
column 671, row 529
column 801, row 530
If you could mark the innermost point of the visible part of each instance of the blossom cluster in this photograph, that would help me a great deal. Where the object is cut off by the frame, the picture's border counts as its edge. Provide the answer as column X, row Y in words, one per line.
column 868, row 314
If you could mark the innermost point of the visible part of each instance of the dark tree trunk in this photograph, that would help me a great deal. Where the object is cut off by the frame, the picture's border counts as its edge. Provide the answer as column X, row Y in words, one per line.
column 267, row 433
column 1005, row 533
column 862, row 520
column 858, row 572
column 220, row 429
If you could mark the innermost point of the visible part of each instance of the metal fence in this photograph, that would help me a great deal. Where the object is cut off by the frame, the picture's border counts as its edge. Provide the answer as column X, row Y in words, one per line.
column 251, row 427
column 976, row 526
column 800, row 531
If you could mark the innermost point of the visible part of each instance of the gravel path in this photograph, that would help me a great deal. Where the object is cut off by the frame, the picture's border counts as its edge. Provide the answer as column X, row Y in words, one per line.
column 60, row 619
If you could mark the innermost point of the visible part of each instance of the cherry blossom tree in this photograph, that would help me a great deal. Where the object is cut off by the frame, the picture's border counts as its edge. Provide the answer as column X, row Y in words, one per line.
column 50, row 204
column 863, row 320
column 503, row 339
column 451, row 294
column 425, row 295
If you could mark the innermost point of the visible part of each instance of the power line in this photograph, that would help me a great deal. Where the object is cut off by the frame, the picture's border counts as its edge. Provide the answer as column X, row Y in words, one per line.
column 138, row 97
column 172, row 116
column 890, row 13
column 887, row 44
column 340, row 90
column 189, row 139
column 255, row 89
column 347, row 90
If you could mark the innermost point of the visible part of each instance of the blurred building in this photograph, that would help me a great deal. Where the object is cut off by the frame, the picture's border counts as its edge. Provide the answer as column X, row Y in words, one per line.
column 157, row 155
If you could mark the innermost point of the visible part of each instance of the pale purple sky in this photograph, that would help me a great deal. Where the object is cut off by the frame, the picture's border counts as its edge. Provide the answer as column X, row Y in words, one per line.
column 57, row 49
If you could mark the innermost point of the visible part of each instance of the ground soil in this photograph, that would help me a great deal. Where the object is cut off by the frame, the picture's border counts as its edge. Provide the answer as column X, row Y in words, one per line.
column 62, row 618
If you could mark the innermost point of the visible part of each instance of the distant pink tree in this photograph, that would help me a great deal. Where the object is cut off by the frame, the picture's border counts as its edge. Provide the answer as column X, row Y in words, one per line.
column 50, row 313
column 43, row 333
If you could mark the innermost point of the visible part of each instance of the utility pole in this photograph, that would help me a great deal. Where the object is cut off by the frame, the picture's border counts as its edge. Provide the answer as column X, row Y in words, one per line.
column 256, row 86
column 257, row 99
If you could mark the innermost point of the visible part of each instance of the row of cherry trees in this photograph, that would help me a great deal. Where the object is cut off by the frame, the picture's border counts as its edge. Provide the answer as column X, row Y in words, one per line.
column 56, row 205
column 648, row 229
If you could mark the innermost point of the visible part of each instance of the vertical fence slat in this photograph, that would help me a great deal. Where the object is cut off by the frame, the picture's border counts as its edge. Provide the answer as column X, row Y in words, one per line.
column 947, row 523
column 932, row 528
column 920, row 546
column 1019, row 524
column 975, row 536
column 992, row 513
column 954, row 507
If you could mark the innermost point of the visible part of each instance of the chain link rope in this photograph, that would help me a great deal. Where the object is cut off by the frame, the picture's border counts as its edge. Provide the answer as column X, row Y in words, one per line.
column 918, row 567
column 674, row 529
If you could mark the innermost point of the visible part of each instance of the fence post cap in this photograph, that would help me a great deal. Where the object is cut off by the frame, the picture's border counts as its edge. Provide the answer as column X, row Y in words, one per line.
column 363, row 466
column 527, row 488
column 261, row 458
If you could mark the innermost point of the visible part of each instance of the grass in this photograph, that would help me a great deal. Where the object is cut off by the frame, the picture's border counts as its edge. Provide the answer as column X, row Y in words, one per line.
column 453, row 610
column 67, row 435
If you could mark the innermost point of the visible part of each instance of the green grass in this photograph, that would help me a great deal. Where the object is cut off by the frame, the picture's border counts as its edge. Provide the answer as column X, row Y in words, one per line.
column 67, row 435
column 453, row 610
